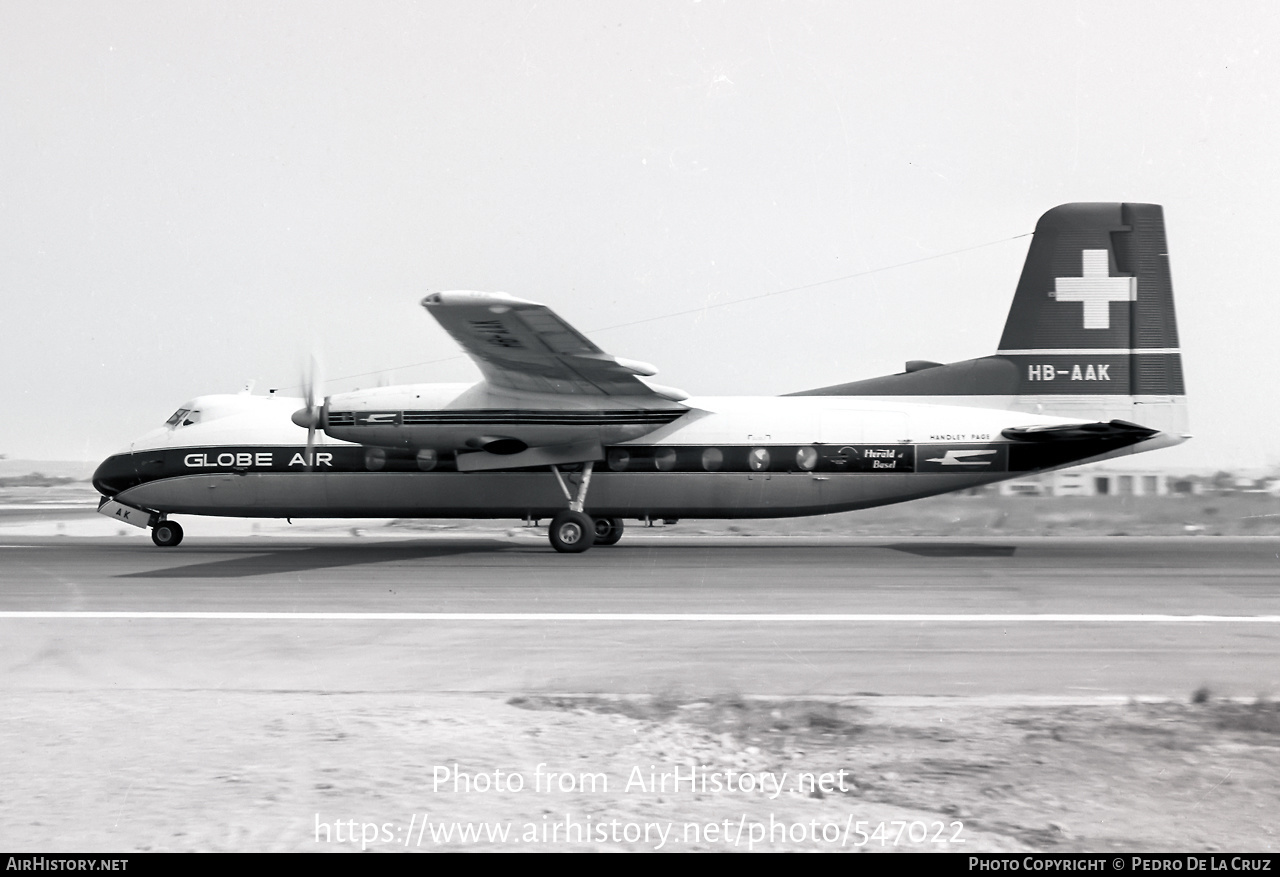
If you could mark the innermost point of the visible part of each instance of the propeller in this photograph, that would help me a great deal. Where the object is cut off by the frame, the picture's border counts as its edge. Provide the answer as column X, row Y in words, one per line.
column 312, row 416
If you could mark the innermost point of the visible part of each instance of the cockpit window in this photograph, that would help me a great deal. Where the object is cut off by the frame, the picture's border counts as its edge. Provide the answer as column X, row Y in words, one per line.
column 182, row 417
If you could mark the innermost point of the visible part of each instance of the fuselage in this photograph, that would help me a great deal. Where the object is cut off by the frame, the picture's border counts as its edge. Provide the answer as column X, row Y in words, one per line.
column 715, row 457
column 1089, row 366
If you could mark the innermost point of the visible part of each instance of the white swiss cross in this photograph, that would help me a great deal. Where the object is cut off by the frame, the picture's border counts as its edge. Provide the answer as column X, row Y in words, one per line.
column 1097, row 289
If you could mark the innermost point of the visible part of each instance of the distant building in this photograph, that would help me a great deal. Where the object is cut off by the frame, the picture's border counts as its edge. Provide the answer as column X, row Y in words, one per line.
column 1094, row 481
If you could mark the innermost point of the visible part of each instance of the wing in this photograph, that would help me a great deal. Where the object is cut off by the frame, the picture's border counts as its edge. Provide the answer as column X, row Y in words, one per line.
column 523, row 345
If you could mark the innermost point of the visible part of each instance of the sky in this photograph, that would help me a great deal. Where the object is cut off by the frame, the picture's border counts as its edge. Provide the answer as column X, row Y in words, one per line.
column 198, row 195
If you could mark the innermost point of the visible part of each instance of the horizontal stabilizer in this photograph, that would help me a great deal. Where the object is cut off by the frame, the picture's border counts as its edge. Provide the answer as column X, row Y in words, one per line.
column 1067, row 432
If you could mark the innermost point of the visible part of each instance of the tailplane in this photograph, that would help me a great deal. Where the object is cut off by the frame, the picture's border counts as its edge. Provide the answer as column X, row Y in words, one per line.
column 1091, row 334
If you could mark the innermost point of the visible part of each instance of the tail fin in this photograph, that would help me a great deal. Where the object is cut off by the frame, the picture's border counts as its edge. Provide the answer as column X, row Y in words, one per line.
column 1093, row 314
column 1091, row 333
column 1092, row 329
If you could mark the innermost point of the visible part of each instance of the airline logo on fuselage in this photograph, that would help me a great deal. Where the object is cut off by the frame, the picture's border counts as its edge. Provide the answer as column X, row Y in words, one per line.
column 975, row 459
column 378, row 418
column 251, row 460
column 963, row 458
column 1096, row 289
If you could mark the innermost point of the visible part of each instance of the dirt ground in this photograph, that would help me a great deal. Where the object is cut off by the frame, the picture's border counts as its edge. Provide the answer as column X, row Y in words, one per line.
column 165, row 770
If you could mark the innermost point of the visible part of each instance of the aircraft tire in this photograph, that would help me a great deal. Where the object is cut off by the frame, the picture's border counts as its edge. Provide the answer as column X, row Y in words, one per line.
column 166, row 534
column 571, row 532
column 608, row 530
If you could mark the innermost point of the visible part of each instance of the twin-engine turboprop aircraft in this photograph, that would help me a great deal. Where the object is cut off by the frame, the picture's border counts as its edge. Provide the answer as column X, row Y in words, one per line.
column 1088, row 368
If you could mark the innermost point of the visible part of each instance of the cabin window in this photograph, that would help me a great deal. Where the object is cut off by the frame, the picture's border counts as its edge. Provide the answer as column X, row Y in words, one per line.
column 375, row 459
column 807, row 458
column 427, row 460
column 665, row 459
column 618, row 459
column 712, row 459
column 758, row 459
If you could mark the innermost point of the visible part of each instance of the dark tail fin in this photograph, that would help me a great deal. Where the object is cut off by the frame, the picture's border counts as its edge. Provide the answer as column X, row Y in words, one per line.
column 1093, row 313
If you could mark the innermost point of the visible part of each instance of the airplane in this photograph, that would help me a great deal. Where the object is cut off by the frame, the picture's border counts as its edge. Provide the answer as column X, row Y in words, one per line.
column 1088, row 368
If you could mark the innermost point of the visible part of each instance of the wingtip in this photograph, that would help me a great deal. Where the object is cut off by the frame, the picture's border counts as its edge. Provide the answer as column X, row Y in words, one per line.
column 473, row 298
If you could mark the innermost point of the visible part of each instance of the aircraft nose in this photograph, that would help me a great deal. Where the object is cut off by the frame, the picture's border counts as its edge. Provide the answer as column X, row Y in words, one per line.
column 116, row 473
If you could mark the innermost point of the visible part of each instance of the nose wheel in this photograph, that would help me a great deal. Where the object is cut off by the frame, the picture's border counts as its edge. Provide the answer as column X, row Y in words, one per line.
column 166, row 534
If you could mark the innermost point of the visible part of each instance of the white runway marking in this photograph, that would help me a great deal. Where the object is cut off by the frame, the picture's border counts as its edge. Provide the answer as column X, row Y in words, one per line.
column 957, row 618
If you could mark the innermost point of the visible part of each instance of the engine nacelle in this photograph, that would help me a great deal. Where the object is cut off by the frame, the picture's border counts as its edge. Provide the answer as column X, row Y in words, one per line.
column 455, row 417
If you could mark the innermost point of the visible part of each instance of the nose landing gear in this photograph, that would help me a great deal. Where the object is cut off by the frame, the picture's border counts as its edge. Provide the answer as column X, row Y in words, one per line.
column 166, row 534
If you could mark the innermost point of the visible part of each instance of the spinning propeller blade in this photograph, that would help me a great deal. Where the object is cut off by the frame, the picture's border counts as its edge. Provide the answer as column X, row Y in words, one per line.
column 311, row 416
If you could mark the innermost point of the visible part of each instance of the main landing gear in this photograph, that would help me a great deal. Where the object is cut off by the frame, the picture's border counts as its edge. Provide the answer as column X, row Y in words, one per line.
column 608, row 530
column 573, row 531
column 166, row 534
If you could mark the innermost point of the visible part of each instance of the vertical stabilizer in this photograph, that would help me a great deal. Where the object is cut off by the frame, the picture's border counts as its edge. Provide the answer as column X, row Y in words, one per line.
column 1093, row 313
column 1092, row 329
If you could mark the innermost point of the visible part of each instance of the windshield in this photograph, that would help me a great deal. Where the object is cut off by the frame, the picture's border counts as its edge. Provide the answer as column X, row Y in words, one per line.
column 182, row 417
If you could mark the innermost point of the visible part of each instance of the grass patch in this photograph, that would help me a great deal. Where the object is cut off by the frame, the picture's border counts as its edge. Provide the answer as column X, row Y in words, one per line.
column 1260, row 717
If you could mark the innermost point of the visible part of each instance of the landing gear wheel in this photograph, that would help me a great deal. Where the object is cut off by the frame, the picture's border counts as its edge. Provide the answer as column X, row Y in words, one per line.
column 166, row 534
column 571, row 532
column 608, row 530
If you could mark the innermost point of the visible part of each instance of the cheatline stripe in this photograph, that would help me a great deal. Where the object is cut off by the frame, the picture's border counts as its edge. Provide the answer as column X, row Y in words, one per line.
column 1087, row 351
column 533, row 415
column 465, row 415
column 541, row 421
column 656, row 414
column 645, row 616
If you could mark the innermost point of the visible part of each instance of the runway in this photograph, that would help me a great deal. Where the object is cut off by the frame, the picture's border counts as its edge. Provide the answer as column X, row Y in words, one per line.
column 1020, row 618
